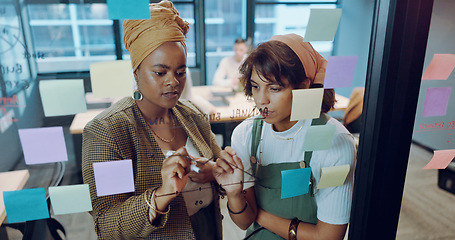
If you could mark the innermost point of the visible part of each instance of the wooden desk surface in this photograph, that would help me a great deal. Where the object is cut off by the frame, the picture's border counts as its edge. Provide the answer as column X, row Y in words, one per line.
column 11, row 181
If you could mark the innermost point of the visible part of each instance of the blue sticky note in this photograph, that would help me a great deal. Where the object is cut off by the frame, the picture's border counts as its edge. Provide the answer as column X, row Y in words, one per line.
column 62, row 97
column 70, row 199
column 123, row 9
column 25, row 205
column 319, row 137
column 340, row 71
column 43, row 145
column 295, row 182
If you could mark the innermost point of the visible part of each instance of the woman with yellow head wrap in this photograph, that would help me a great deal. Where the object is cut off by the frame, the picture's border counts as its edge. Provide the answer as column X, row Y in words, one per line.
column 167, row 140
column 273, row 146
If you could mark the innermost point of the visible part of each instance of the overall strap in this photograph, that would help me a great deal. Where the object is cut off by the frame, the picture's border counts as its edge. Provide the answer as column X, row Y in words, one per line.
column 322, row 120
column 255, row 139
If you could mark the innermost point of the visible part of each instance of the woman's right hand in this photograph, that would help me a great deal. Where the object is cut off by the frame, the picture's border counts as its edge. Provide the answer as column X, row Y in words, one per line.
column 174, row 173
column 228, row 171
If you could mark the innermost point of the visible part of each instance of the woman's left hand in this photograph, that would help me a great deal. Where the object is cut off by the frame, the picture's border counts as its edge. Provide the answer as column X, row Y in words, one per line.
column 205, row 173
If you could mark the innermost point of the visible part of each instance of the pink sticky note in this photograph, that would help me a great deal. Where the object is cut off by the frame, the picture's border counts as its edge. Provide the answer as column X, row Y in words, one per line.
column 441, row 159
column 43, row 145
column 440, row 67
column 340, row 71
column 113, row 177
column 436, row 101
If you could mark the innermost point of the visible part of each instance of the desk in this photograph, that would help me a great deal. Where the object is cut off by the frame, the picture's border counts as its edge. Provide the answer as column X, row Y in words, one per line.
column 11, row 181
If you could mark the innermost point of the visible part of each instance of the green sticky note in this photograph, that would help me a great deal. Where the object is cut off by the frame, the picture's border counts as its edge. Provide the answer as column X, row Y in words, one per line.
column 112, row 79
column 62, row 97
column 333, row 176
column 319, row 137
column 295, row 182
column 306, row 103
column 70, row 199
column 25, row 205
column 322, row 25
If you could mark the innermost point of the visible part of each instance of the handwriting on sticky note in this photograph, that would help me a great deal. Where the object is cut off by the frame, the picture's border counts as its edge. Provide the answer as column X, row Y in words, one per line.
column 113, row 177
column 322, row 25
column 62, row 97
column 440, row 67
column 119, row 9
column 319, row 137
column 25, row 205
column 340, row 71
column 333, row 176
column 441, row 159
column 295, row 182
column 112, row 79
column 43, row 145
column 436, row 101
column 70, row 199
column 306, row 103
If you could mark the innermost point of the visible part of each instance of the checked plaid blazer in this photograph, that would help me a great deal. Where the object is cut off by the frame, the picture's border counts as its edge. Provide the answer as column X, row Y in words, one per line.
column 120, row 132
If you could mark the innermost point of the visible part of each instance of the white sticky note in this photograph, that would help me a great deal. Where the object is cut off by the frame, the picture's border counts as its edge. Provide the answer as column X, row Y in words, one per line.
column 306, row 103
column 70, row 199
column 112, row 79
column 333, row 176
column 62, row 97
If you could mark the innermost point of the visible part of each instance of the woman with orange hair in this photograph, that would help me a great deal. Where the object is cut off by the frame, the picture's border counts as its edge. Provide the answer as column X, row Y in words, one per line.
column 264, row 147
column 163, row 136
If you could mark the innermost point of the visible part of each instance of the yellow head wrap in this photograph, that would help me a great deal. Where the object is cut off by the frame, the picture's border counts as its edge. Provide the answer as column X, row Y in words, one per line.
column 141, row 37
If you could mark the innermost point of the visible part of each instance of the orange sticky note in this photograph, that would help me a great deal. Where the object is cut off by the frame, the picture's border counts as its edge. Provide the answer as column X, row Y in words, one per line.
column 440, row 67
column 441, row 159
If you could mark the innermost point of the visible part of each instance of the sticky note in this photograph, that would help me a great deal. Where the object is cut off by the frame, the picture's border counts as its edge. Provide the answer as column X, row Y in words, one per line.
column 440, row 67
column 62, row 97
column 113, row 177
column 436, row 101
column 322, row 25
column 70, row 199
column 25, row 205
column 333, row 176
column 340, row 71
column 319, row 137
column 112, row 79
column 441, row 159
column 121, row 9
column 295, row 182
column 306, row 103
column 43, row 145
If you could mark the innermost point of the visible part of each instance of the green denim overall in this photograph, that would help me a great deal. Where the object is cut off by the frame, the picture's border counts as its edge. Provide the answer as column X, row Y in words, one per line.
column 268, row 188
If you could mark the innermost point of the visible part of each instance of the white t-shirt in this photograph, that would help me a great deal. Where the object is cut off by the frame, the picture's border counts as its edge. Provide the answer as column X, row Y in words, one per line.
column 194, row 200
column 227, row 70
column 334, row 203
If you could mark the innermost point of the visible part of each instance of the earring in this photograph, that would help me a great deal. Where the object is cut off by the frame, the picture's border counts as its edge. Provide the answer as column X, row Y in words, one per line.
column 137, row 95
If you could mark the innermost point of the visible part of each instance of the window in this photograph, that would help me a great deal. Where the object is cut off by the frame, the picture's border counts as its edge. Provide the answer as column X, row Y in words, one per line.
column 276, row 17
column 71, row 36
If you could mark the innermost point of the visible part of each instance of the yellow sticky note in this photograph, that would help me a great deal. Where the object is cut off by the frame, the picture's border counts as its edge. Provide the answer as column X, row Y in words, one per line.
column 112, row 79
column 306, row 103
column 333, row 176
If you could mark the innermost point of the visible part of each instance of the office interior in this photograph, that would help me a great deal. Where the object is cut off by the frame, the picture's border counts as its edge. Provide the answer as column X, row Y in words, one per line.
column 395, row 41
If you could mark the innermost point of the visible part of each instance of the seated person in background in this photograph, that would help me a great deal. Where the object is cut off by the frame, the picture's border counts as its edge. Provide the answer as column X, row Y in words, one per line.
column 227, row 73
column 162, row 136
